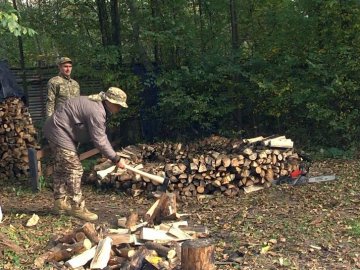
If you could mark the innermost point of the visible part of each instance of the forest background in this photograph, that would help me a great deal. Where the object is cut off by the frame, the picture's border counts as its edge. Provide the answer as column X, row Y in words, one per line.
column 197, row 67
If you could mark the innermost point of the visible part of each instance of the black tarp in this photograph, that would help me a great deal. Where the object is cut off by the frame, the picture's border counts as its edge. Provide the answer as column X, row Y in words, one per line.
column 8, row 84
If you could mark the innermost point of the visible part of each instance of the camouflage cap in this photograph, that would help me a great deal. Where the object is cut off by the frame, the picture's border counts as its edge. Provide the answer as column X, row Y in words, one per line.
column 64, row 60
column 117, row 96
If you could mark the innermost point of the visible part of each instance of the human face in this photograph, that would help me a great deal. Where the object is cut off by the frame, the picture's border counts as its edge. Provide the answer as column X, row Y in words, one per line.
column 65, row 69
column 114, row 108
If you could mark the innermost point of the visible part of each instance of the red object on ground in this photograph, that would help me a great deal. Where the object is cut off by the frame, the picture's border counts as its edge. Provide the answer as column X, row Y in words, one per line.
column 295, row 174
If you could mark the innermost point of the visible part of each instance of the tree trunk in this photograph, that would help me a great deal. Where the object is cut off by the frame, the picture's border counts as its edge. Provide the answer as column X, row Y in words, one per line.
column 143, row 57
column 201, row 19
column 115, row 22
column 22, row 62
column 155, row 14
column 234, row 25
column 103, row 22
column 115, row 27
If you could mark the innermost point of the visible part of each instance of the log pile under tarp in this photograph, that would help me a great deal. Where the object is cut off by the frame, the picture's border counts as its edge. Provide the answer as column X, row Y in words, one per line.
column 17, row 134
column 151, row 241
column 215, row 165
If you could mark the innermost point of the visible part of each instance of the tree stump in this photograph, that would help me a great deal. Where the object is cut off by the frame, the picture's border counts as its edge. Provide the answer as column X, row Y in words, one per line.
column 197, row 254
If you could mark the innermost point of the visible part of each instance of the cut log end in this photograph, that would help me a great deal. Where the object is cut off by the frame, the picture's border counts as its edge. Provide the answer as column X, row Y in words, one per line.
column 197, row 255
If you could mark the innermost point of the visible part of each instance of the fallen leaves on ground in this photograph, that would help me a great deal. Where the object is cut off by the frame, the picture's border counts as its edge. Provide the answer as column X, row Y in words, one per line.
column 316, row 226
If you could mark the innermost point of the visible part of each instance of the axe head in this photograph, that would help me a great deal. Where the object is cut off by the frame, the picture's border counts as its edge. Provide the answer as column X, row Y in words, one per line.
column 164, row 185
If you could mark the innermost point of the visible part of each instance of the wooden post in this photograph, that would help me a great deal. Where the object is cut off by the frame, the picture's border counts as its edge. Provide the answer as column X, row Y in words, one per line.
column 33, row 167
column 197, row 254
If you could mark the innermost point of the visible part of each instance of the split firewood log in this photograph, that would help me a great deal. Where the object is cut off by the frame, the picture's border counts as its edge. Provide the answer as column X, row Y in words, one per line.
column 63, row 252
column 102, row 254
column 90, row 232
column 213, row 171
column 161, row 249
column 17, row 134
column 81, row 259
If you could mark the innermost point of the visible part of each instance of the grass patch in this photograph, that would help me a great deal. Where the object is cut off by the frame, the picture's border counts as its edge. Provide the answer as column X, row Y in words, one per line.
column 10, row 258
column 333, row 152
column 354, row 228
column 89, row 163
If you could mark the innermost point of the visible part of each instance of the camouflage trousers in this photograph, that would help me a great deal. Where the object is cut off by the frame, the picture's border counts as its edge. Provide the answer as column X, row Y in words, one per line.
column 67, row 174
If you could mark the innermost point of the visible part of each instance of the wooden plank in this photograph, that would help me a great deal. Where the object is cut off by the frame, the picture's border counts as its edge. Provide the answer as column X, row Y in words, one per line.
column 89, row 153
column 43, row 153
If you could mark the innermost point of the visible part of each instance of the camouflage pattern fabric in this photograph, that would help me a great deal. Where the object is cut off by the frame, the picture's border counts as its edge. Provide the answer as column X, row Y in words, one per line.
column 113, row 94
column 67, row 174
column 59, row 89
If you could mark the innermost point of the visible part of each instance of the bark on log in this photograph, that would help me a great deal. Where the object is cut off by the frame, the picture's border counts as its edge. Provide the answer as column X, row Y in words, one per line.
column 161, row 250
column 132, row 220
column 89, row 230
column 138, row 258
column 4, row 240
column 197, row 255
column 65, row 251
column 72, row 237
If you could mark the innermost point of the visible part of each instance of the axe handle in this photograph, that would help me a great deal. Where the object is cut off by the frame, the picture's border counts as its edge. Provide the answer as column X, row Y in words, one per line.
column 153, row 177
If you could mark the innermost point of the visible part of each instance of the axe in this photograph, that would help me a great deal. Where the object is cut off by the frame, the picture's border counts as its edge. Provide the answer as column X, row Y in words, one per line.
column 164, row 181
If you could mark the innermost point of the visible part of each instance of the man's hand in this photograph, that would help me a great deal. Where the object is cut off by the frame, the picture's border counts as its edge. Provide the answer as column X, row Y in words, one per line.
column 120, row 165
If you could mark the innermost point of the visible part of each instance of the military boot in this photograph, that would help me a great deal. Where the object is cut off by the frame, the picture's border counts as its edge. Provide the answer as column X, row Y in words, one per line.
column 61, row 206
column 80, row 211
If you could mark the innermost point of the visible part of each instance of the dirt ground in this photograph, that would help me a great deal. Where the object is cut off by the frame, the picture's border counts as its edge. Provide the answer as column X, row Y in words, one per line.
column 316, row 226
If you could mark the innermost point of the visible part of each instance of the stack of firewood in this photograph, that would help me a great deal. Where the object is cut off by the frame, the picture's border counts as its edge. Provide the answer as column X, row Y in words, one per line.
column 205, row 168
column 157, row 241
column 171, row 152
column 17, row 134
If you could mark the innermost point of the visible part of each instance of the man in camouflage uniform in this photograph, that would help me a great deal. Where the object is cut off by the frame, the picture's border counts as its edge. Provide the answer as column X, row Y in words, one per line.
column 61, row 87
column 80, row 120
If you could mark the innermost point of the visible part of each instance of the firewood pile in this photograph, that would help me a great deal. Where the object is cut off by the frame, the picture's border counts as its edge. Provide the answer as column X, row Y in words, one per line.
column 215, row 165
column 17, row 134
column 155, row 240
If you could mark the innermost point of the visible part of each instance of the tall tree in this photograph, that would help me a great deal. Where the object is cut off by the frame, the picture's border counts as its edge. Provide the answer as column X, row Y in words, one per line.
column 142, row 55
column 234, row 25
column 201, row 20
column 115, row 22
column 22, row 60
column 115, row 27
column 155, row 11
column 104, row 23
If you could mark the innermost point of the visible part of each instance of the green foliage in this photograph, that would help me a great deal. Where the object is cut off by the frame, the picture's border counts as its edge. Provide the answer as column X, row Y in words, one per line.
column 295, row 71
column 42, row 182
column 18, row 191
column 88, row 164
column 9, row 20
column 193, row 101
column 332, row 152
column 11, row 257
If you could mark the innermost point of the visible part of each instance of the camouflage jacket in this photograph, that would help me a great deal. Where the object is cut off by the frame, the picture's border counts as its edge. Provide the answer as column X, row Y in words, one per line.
column 59, row 89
